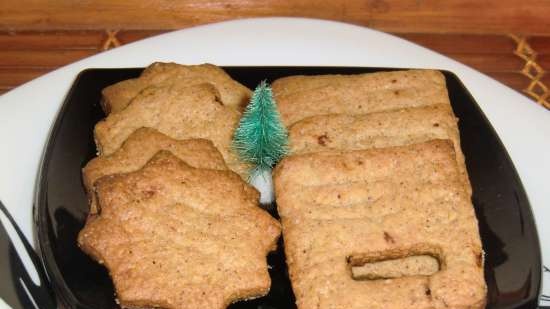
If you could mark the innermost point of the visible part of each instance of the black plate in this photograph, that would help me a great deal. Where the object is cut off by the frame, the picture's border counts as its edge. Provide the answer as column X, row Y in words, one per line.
column 513, row 262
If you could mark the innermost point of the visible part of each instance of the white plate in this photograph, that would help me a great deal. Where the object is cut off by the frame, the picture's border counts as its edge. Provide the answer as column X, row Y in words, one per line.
column 27, row 112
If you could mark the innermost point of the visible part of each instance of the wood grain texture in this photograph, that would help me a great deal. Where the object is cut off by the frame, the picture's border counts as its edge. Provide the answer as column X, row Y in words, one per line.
column 540, row 44
column 432, row 16
column 12, row 77
column 41, row 58
column 51, row 40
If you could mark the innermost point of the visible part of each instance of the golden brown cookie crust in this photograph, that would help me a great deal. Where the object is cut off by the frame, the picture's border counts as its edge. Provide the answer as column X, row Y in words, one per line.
column 342, row 132
column 299, row 97
column 179, row 112
column 173, row 236
column 116, row 97
column 139, row 148
column 341, row 209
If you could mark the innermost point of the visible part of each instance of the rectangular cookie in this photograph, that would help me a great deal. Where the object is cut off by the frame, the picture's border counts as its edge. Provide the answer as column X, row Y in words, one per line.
column 180, row 112
column 342, row 210
column 139, row 148
column 299, row 97
column 342, row 132
column 116, row 97
column 173, row 236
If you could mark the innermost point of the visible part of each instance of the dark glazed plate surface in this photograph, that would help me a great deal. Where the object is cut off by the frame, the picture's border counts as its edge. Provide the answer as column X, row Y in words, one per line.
column 513, row 263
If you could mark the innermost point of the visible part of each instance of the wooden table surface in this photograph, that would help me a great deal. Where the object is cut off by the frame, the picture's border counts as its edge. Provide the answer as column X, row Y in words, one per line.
column 506, row 39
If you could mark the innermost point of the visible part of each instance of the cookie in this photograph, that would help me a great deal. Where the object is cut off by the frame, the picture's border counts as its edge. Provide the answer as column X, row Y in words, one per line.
column 173, row 236
column 299, row 97
column 354, row 220
column 178, row 112
column 377, row 130
column 116, row 97
column 139, row 148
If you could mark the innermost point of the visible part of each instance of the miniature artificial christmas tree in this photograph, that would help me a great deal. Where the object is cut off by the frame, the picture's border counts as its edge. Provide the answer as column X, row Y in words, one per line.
column 261, row 139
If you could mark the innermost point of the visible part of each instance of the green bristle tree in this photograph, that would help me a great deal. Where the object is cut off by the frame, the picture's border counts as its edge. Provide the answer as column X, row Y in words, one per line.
column 261, row 139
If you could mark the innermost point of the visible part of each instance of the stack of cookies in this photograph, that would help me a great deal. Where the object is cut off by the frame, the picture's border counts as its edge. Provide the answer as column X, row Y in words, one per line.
column 375, row 200
column 171, row 217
